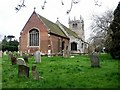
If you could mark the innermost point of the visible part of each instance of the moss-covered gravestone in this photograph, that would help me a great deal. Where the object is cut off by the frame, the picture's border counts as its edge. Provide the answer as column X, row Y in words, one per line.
column 23, row 71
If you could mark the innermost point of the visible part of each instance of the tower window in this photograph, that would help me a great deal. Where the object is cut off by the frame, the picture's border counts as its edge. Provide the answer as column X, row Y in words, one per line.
column 34, row 37
column 74, row 25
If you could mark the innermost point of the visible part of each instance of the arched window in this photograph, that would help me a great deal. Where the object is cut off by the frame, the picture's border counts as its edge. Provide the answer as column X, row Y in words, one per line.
column 74, row 46
column 34, row 37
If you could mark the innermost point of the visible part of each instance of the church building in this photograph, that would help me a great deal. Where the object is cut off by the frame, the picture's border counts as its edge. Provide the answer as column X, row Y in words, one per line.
column 46, row 36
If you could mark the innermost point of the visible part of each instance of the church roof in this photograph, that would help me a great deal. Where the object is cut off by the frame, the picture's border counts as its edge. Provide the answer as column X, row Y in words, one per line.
column 70, row 32
column 54, row 28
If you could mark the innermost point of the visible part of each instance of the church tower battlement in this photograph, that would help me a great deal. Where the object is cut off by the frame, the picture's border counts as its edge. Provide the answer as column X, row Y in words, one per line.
column 77, row 26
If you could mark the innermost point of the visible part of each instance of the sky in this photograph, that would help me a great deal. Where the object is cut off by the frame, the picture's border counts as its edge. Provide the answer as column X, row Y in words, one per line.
column 12, row 22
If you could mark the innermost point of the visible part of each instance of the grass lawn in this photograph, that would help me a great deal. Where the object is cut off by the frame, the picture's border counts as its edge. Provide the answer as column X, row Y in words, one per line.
column 59, row 72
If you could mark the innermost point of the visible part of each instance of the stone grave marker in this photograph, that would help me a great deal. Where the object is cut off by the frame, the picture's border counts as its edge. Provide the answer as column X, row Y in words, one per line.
column 23, row 71
column 37, row 56
column 95, row 61
column 35, row 73
column 1, row 53
column 5, row 53
column 13, row 59
column 66, row 53
column 21, row 61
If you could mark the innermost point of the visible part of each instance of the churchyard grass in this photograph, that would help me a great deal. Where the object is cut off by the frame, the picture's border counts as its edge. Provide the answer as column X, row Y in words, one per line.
column 60, row 72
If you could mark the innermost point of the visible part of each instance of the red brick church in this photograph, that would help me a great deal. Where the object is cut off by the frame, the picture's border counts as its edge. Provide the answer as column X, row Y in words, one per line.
column 41, row 34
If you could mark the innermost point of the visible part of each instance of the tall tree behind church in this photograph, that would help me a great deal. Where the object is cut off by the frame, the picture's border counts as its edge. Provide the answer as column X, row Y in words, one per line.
column 115, row 27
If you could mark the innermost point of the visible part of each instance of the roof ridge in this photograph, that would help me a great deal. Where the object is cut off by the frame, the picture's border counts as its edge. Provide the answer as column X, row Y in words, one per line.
column 53, row 27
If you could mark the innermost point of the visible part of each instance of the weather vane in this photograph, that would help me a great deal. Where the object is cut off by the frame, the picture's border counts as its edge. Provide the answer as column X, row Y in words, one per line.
column 19, row 6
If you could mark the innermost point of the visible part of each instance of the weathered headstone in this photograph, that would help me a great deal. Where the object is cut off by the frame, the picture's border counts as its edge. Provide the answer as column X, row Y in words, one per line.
column 37, row 56
column 13, row 59
column 95, row 62
column 23, row 71
column 1, row 53
column 66, row 53
column 20, row 61
column 35, row 73
column 5, row 53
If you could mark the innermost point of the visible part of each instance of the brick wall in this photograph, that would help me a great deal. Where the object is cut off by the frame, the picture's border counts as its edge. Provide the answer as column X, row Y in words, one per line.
column 46, row 42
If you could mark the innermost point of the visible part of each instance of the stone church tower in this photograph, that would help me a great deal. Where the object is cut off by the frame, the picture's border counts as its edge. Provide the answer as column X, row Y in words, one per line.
column 77, row 26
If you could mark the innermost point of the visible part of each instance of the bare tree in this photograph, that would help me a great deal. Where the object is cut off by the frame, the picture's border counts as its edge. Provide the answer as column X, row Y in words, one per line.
column 19, row 6
column 100, row 29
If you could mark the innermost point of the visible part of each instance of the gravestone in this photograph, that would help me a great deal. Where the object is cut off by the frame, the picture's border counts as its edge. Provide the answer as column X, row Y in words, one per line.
column 13, row 59
column 5, row 53
column 66, row 53
column 95, row 62
column 35, row 73
column 23, row 71
column 20, row 61
column 25, row 56
column 0, row 53
column 37, row 56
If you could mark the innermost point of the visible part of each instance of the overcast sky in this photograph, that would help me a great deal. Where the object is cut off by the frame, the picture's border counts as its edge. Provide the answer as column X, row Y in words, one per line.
column 11, row 23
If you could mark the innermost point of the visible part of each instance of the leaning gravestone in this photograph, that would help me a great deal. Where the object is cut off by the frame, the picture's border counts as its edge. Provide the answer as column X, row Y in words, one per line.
column 35, row 73
column 20, row 61
column 0, row 53
column 37, row 56
column 23, row 71
column 95, row 62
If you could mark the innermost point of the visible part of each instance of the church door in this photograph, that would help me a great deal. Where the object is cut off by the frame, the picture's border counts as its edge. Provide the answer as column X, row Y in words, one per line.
column 73, row 46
